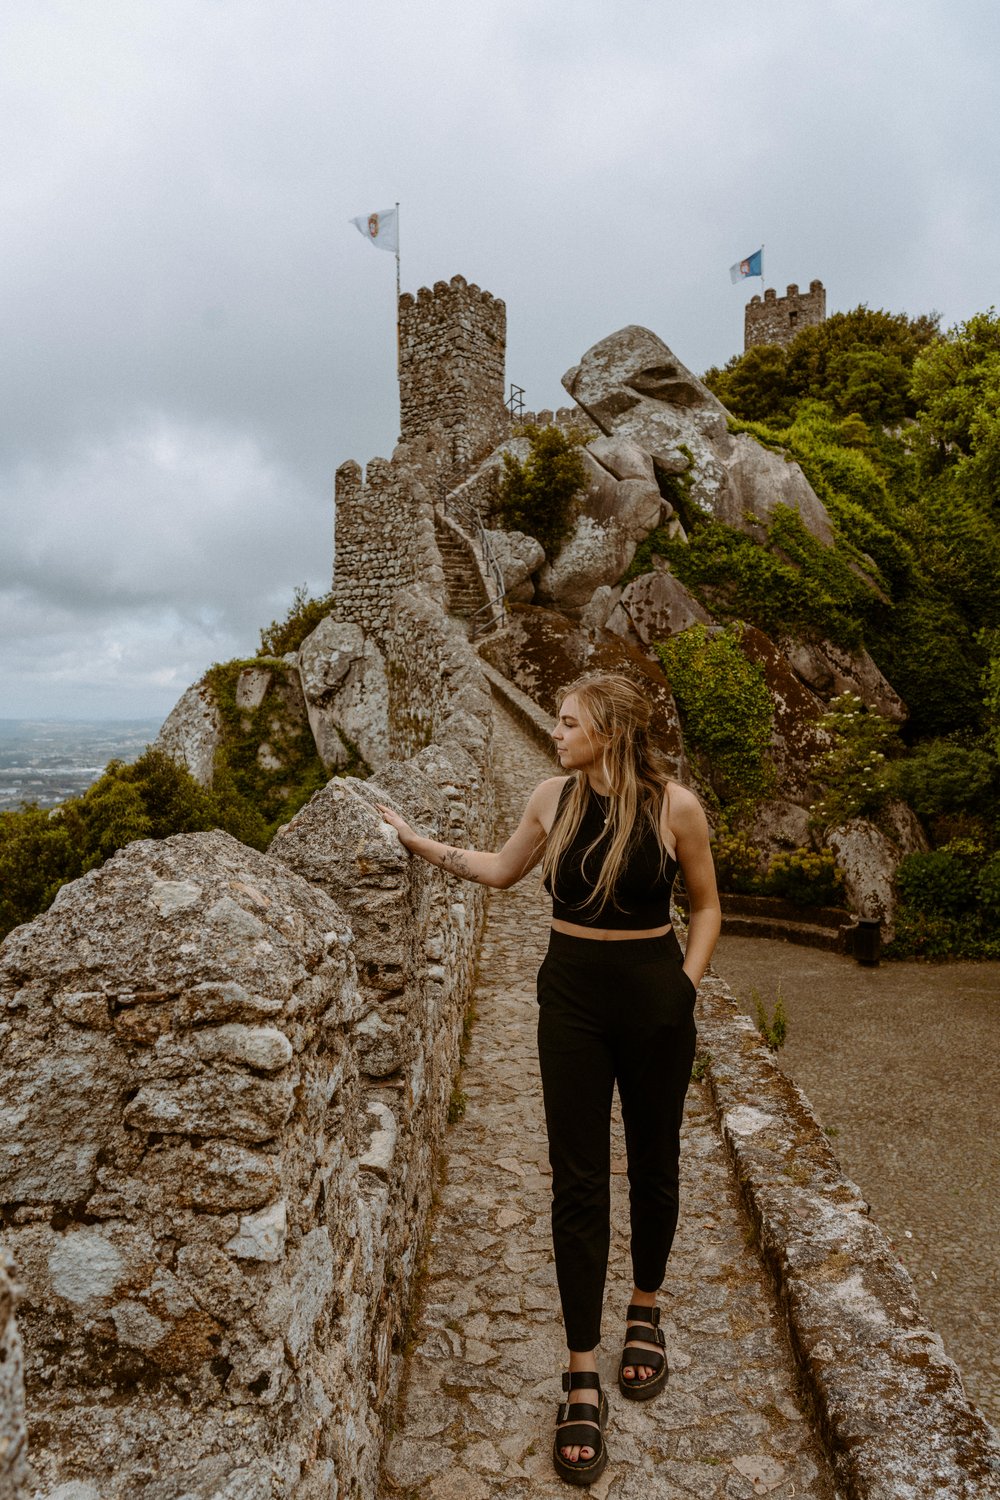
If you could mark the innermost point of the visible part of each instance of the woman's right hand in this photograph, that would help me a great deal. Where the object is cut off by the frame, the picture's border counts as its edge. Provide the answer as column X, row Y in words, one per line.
column 403, row 829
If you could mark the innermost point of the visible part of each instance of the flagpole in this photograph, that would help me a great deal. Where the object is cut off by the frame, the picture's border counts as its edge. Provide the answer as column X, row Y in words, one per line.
column 398, row 350
column 762, row 270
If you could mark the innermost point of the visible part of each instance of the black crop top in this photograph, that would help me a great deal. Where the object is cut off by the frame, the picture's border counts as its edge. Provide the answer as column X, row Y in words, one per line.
column 642, row 894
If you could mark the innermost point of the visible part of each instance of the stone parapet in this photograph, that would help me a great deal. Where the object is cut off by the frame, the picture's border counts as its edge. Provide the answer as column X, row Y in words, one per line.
column 886, row 1399
column 224, row 1086
column 13, row 1440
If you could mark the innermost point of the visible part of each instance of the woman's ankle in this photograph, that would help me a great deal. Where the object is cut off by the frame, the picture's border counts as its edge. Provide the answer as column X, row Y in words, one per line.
column 586, row 1361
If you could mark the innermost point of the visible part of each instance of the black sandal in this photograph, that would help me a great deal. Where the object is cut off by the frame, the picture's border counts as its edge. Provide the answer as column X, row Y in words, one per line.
column 583, row 1429
column 652, row 1359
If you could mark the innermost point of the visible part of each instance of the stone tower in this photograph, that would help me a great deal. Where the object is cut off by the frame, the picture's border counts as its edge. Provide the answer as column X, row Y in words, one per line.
column 452, row 347
column 776, row 320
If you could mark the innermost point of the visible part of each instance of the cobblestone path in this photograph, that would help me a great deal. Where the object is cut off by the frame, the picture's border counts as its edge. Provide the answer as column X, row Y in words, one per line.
column 482, row 1383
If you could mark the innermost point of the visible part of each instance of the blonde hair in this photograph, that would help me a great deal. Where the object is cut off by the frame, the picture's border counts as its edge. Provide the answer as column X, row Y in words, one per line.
column 637, row 777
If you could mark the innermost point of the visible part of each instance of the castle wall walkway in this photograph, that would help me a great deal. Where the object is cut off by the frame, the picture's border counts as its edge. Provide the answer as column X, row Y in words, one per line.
column 482, row 1383
column 801, row 1364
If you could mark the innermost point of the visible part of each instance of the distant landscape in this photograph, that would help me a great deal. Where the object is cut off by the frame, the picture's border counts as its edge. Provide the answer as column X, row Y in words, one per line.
column 47, row 760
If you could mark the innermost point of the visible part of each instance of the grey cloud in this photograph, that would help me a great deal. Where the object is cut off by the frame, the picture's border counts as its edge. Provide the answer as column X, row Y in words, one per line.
column 178, row 258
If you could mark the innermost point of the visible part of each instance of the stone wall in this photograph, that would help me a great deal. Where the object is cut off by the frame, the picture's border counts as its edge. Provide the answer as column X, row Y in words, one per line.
column 13, row 1441
column 776, row 320
column 384, row 541
column 452, row 347
column 225, row 1077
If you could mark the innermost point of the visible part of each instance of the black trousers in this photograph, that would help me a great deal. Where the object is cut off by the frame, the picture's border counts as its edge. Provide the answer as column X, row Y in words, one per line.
column 612, row 1012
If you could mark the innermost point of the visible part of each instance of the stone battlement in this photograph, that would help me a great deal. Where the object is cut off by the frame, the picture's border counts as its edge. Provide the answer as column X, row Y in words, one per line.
column 776, row 320
column 572, row 418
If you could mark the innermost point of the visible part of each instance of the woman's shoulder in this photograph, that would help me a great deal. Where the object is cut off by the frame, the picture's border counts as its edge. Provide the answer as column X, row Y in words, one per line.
column 547, row 793
column 551, row 788
column 682, row 805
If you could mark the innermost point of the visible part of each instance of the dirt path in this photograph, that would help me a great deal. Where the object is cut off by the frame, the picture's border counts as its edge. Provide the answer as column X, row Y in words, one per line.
column 483, row 1372
column 902, row 1065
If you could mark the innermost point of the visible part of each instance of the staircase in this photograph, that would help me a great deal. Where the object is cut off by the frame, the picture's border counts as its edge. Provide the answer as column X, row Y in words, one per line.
column 466, row 593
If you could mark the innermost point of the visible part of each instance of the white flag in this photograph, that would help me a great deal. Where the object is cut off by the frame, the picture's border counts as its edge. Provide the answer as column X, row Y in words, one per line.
column 380, row 229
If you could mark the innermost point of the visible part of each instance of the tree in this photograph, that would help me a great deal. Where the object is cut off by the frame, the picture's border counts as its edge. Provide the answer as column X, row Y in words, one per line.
column 954, row 382
column 856, row 363
column 304, row 614
column 537, row 496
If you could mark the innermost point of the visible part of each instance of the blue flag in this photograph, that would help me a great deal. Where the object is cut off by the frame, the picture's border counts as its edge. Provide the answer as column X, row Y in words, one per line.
column 752, row 266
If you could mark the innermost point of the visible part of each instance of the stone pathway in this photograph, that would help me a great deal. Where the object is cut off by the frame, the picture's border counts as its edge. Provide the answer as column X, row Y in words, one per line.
column 482, row 1381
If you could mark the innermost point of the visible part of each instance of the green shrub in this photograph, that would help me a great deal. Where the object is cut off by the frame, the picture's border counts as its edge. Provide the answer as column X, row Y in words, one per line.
column 37, row 856
column 738, row 862
column 40, row 850
column 303, row 616
column 934, row 884
column 922, row 935
column 789, row 582
column 725, row 709
column 949, row 903
column 988, row 892
column 854, row 771
column 274, row 795
column 929, row 654
column 943, row 776
column 537, row 497
column 807, row 877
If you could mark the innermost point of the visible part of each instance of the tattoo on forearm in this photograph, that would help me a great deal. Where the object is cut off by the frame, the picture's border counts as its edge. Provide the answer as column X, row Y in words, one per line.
column 456, row 861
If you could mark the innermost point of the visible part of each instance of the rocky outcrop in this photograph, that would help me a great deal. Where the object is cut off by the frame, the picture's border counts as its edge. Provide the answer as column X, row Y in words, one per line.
column 635, row 388
column 615, row 513
column 594, row 554
column 656, row 605
column 346, row 693
column 192, row 732
column 830, row 670
column 796, row 737
column 868, row 859
column 518, row 556
column 541, row 652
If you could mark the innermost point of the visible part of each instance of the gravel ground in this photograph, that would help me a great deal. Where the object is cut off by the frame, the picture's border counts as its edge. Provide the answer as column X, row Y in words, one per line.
column 902, row 1065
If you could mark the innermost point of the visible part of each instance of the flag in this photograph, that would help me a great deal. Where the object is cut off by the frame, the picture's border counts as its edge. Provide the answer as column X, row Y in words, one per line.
column 752, row 266
column 380, row 229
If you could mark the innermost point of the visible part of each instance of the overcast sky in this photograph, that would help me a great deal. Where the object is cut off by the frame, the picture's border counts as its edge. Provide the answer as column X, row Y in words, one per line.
column 194, row 336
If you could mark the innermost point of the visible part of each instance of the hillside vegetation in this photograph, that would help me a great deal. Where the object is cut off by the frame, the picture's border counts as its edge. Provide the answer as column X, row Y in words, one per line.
column 43, row 848
column 897, row 428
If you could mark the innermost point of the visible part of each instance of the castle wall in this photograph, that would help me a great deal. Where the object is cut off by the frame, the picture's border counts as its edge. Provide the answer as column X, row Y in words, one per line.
column 776, row 320
column 13, row 1440
column 225, row 1079
column 452, row 347
column 385, row 542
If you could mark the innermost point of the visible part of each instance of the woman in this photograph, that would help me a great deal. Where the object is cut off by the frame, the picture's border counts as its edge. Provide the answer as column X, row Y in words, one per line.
column 616, row 1000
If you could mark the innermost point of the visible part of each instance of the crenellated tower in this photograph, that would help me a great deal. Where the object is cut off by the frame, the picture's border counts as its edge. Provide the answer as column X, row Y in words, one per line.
column 776, row 320
column 452, row 349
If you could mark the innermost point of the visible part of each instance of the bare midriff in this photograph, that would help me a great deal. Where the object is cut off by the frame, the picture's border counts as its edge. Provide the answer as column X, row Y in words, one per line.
column 607, row 934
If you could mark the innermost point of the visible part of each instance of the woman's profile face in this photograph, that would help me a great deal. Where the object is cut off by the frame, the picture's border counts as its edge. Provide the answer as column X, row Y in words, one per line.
column 577, row 742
